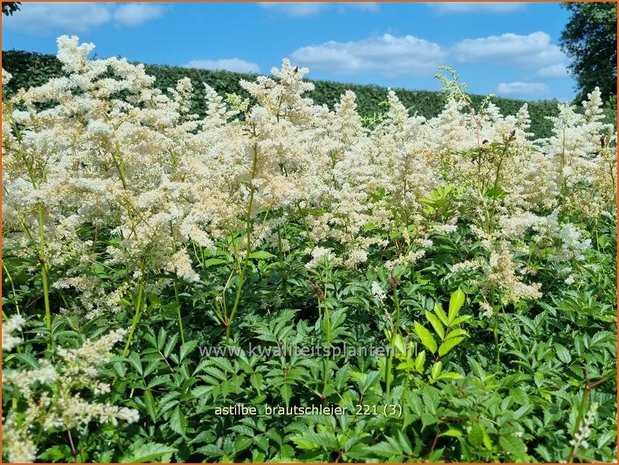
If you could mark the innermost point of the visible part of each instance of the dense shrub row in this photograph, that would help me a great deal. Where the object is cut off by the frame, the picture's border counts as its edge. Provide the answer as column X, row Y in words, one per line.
column 33, row 69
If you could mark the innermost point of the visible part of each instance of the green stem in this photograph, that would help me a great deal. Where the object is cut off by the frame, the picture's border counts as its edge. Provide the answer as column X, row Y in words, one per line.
column 394, row 332
column 282, row 268
column 44, row 271
column 581, row 415
column 8, row 275
column 136, row 317
column 178, row 311
column 327, row 319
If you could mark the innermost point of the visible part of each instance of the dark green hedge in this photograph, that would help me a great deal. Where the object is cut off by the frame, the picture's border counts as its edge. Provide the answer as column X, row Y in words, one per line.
column 30, row 69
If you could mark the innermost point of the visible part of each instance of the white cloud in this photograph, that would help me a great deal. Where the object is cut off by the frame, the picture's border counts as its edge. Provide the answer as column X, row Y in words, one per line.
column 387, row 55
column 530, row 51
column 519, row 88
column 305, row 9
column 228, row 64
column 135, row 14
column 72, row 17
column 475, row 7
column 554, row 71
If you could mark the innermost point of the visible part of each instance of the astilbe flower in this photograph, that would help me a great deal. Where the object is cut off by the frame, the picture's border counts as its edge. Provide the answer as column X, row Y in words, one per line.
column 584, row 430
column 53, row 396
column 14, row 323
column 155, row 178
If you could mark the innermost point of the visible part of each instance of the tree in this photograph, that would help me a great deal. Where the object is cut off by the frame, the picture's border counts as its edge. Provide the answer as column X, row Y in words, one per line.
column 590, row 39
column 8, row 8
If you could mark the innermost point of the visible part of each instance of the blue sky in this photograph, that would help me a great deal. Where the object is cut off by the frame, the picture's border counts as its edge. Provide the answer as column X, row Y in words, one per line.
column 508, row 49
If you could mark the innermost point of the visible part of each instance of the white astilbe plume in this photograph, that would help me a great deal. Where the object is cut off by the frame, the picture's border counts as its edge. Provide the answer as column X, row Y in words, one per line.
column 54, row 396
column 9, row 340
column 159, row 183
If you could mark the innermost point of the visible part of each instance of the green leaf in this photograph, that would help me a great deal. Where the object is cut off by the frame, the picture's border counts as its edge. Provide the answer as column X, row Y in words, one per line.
column 438, row 309
column 386, row 449
column 436, row 324
column 398, row 343
column 141, row 452
column 420, row 361
column 448, row 345
column 415, row 404
column 286, row 392
column 454, row 433
column 214, row 261
column 496, row 192
column 187, row 348
column 606, row 438
column 460, row 320
column 436, row 370
column 514, row 446
column 563, row 353
column 458, row 332
column 404, row 442
column 455, row 303
column 475, row 436
column 486, row 439
column 262, row 255
column 149, row 403
column 428, row 419
column 56, row 454
column 426, row 337
column 450, row 375
column 431, row 399
column 178, row 422
column 543, row 453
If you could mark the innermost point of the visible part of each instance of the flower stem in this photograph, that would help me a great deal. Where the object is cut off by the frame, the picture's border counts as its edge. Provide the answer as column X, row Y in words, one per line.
column 138, row 313
column 44, row 271
column 178, row 311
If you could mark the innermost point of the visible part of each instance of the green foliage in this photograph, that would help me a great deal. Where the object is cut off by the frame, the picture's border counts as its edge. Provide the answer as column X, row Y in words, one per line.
column 590, row 39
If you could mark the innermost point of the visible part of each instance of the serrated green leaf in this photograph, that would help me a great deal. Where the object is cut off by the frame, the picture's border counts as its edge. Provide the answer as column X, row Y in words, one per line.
column 141, row 452
column 214, row 261
column 286, row 392
column 436, row 370
column 262, row 255
column 436, row 324
column 458, row 332
column 178, row 422
column 455, row 303
column 426, row 337
column 420, row 361
column 563, row 353
column 461, row 319
column 448, row 345
column 454, row 433
column 450, row 375
column 514, row 446
column 386, row 449
column 151, row 406
column 543, row 453
column 438, row 309
column 187, row 348
column 404, row 442
column 475, row 436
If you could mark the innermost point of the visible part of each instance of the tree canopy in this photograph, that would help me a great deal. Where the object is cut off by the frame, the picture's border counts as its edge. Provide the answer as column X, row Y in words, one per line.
column 8, row 8
column 590, row 39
